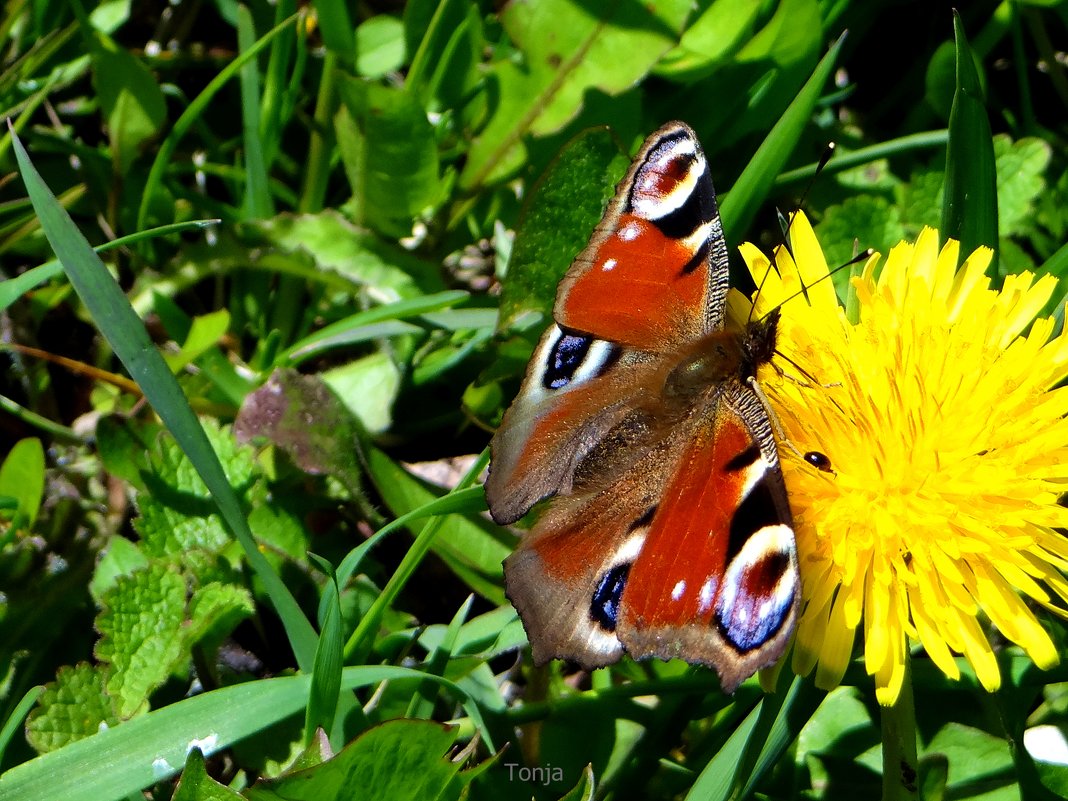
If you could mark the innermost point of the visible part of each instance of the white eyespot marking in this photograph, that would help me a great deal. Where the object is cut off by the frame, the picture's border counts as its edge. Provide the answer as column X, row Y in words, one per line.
column 678, row 589
column 736, row 604
column 629, row 232
column 628, row 551
column 707, row 593
column 608, row 265
column 649, row 201
column 592, row 363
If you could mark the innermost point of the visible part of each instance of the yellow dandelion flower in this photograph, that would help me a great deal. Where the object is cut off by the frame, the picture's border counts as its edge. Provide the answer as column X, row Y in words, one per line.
column 948, row 440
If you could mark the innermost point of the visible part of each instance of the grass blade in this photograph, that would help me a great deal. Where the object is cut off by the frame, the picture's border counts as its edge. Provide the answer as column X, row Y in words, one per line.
column 126, row 334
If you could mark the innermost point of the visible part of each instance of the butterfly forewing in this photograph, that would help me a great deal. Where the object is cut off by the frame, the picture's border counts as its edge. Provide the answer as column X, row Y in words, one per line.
column 670, row 534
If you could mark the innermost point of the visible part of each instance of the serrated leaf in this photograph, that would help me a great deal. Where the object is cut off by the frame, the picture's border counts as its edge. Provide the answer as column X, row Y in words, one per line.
column 1020, row 169
column 22, row 477
column 197, row 785
column 556, row 223
column 861, row 221
column 119, row 557
column 214, row 610
column 402, row 760
column 609, row 48
column 74, row 706
column 177, row 513
column 141, row 634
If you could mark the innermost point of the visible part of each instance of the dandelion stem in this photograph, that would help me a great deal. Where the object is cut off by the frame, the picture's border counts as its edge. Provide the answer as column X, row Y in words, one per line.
column 900, row 770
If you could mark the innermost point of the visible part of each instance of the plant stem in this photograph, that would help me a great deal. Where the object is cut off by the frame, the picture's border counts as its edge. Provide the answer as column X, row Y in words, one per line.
column 900, row 767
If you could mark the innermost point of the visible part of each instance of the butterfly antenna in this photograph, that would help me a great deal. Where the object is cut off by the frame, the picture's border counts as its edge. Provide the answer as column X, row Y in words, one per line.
column 786, row 222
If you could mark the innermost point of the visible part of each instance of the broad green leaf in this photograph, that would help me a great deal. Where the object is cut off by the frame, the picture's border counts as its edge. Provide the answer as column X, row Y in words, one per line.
column 970, row 203
column 980, row 764
column 130, row 97
column 717, row 34
column 402, row 760
column 197, row 785
column 368, row 387
column 556, row 223
column 335, row 245
column 608, row 47
column 72, row 707
column 379, row 46
column 397, row 168
column 141, row 634
column 22, row 477
column 204, row 332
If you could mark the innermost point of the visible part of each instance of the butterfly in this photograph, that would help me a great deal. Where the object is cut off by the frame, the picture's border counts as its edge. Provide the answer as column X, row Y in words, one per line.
column 669, row 532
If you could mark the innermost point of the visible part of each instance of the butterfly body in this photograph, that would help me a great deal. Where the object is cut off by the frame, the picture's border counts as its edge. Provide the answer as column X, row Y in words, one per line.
column 669, row 532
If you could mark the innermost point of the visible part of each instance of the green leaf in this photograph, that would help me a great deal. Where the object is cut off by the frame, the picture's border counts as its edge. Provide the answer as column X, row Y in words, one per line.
column 1020, row 168
column 326, row 673
column 130, row 98
column 607, row 47
column 402, row 760
column 214, row 611
column 556, row 223
column 73, row 707
column 396, row 170
column 584, row 790
column 716, row 35
column 120, row 557
column 379, row 46
column 197, row 785
column 176, row 510
column 141, row 635
column 970, row 203
column 22, row 476
column 368, row 387
column 204, row 334
column 335, row 245
column 980, row 764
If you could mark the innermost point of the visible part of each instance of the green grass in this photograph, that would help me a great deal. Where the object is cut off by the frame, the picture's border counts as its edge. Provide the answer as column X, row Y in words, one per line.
column 322, row 242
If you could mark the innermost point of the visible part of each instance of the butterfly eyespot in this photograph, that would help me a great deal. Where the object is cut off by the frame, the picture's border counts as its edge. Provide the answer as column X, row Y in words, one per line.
column 604, row 607
column 820, row 461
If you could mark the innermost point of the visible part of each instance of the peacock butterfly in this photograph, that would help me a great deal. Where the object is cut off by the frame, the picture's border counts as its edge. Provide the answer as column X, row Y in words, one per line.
column 669, row 532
